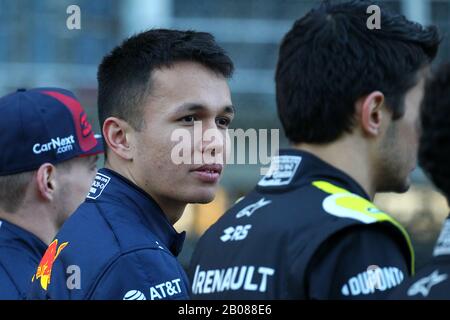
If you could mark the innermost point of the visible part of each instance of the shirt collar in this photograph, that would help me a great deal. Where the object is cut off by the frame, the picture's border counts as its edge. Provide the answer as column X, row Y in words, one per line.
column 294, row 168
column 111, row 184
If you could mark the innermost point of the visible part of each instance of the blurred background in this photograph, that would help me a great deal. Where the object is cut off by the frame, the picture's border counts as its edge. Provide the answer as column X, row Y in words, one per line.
column 37, row 49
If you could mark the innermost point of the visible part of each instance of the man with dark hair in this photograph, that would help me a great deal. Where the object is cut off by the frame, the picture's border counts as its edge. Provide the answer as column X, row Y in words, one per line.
column 348, row 98
column 47, row 163
column 153, row 89
column 433, row 281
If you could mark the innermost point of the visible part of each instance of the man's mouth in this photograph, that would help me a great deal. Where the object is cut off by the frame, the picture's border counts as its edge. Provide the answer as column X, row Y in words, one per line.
column 209, row 173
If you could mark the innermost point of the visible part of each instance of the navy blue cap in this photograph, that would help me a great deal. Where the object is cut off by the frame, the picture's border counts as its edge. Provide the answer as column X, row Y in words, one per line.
column 43, row 125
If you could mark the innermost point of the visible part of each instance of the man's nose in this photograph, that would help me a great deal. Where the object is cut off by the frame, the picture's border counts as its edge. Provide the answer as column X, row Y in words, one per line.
column 213, row 140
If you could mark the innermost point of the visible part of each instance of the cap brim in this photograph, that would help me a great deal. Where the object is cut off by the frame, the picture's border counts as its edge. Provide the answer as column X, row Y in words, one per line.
column 98, row 149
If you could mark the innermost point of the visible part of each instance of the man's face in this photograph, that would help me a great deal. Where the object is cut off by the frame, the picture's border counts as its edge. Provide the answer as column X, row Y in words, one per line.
column 74, row 181
column 180, row 95
column 400, row 145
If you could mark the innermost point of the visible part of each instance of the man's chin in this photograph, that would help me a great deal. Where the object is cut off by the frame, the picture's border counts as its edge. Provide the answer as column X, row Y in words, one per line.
column 204, row 200
column 202, row 196
column 400, row 187
column 404, row 187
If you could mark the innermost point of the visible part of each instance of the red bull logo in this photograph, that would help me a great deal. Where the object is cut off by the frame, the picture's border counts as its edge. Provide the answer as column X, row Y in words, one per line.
column 44, row 270
column 86, row 128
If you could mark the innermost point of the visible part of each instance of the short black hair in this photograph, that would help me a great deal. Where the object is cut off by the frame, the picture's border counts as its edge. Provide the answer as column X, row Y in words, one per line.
column 330, row 58
column 124, row 74
column 434, row 150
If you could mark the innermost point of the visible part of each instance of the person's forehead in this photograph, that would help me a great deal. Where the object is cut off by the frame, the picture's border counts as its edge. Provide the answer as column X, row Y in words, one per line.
column 200, row 107
column 190, row 86
column 185, row 77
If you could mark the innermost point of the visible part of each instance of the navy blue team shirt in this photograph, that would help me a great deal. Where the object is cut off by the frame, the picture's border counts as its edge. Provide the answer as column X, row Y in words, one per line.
column 117, row 245
column 20, row 253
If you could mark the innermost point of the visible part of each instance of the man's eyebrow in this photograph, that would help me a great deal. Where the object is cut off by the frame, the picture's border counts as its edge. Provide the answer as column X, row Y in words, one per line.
column 199, row 107
column 189, row 107
column 230, row 109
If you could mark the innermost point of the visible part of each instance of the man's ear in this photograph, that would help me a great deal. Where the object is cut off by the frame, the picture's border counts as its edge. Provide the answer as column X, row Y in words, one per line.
column 117, row 134
column 370, row 113
column 46, row 181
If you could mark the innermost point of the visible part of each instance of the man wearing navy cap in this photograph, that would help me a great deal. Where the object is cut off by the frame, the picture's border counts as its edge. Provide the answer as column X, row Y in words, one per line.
column 47, row 162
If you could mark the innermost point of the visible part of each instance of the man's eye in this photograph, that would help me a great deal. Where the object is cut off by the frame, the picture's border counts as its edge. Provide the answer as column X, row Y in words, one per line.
column 188, row 119
column 223, row 122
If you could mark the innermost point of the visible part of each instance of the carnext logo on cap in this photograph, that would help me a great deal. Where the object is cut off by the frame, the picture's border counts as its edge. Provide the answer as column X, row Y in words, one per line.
column 60, row 144
column 99, row 184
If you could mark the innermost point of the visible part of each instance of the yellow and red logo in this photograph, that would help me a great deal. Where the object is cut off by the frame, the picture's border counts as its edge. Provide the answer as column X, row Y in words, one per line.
column 44, row 270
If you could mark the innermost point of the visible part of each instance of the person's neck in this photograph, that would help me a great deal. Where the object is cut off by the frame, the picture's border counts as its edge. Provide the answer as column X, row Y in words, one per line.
column 349, row 156
column 34, row 220
column 172, row 209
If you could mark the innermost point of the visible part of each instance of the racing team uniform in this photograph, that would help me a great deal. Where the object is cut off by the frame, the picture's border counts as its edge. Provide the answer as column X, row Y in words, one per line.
column 307, row 231
column 432, row 281
column 117, row 245
column 20, row 252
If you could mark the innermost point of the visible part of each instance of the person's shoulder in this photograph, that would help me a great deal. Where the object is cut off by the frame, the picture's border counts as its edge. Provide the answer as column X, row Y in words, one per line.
column 313, row 205
column 72, row 267
column 362, row 243
column 86, row 217
column 85, row 244
column 341, row 208
column 142, row 273
column 86, row 231
column 294, row 211
column 380, row 233
column 352, row 256
column 92, row 242
column 10, row 288
column 14, row 249
column 159, row 258
column 432, row 282
column 97, row 224
column 91, row 235
column 16, row 262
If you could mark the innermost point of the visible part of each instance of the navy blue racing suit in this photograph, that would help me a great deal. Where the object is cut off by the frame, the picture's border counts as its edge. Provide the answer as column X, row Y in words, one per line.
column 20, row 253
column 117, row 245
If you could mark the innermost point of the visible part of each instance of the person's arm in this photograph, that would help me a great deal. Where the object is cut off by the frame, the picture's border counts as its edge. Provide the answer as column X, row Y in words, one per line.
column 142, row 275
column 362, row 262
column 8, row 288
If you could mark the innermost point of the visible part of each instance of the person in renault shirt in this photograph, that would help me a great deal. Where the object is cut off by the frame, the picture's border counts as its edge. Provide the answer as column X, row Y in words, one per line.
column 348, row 99
column 47, row 163
column 433, row 281
column 121, row 240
